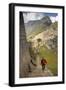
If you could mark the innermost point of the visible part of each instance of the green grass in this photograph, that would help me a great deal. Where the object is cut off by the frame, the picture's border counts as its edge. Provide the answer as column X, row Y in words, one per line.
column 51, row 58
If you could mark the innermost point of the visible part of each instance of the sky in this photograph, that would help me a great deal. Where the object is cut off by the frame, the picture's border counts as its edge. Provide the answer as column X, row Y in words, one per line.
column 28, row 16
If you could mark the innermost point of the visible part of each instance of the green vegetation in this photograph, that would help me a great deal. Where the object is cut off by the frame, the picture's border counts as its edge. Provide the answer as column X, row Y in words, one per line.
column 54, row 25
column 39, row 40
column 51, row 58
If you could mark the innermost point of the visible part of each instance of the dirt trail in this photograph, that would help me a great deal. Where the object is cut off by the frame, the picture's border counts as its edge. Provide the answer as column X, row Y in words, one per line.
column 38, row 72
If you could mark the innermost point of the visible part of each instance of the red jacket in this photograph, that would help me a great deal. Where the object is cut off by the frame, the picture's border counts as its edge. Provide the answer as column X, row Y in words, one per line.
column 43, row 62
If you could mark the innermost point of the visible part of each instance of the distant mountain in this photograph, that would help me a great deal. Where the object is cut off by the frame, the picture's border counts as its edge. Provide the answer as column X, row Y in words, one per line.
column 37, row 26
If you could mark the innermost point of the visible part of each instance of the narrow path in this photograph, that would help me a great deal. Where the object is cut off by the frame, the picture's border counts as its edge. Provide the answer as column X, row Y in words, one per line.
column 38, row 72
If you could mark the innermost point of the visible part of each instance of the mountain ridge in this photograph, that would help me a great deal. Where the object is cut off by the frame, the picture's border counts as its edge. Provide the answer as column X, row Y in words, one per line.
column 35, row 25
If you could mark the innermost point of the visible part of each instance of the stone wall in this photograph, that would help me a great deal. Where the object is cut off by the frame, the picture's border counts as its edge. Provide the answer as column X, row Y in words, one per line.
column 24, row 50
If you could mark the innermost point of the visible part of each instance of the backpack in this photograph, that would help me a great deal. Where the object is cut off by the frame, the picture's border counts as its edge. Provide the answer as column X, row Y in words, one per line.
column 43, row 62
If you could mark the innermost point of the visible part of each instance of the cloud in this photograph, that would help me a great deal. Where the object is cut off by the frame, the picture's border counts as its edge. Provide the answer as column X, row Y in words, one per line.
column 32, row 16
column 28, row 16
column 54, row 18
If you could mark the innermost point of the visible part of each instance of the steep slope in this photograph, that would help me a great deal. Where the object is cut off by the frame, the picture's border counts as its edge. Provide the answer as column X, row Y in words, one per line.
column 37, row 26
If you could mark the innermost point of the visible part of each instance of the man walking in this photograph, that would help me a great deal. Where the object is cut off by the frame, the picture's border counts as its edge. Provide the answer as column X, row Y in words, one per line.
column 43, row 63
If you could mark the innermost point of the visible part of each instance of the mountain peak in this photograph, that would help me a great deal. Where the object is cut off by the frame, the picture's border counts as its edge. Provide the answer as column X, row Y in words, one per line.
column 46, row 20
